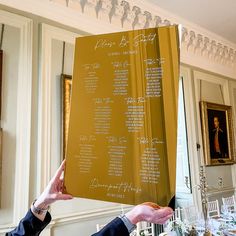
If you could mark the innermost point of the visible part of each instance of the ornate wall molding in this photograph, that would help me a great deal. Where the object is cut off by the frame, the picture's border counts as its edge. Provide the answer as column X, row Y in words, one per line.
column 204, row 46
column 91, row 217
column 220, row 192
column 127, row 16
column 200, row 47
column 44, row 155
column 23, row 119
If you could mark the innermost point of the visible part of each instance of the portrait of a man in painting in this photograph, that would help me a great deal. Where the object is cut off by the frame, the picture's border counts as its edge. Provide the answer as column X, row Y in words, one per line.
column 218, row 134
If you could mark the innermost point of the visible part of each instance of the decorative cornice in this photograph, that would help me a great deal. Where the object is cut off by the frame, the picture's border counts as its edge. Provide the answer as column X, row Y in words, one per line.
column 208, row 48
column 133, row 17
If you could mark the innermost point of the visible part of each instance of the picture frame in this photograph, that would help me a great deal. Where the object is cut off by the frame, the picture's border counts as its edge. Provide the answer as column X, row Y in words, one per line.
column 217, row 133
column 66, row 86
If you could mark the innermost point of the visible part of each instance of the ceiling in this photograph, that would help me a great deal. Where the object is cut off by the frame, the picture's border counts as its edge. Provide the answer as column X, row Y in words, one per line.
column 218, row 16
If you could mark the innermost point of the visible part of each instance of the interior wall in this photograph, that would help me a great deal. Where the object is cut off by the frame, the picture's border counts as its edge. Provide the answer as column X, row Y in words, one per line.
column 74, row 213
column 214, row 89
column 10, row 49
column 57, row 55
column 34, row 122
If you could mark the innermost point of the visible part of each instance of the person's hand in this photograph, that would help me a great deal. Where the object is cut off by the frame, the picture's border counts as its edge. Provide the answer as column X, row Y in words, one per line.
column 53, row 191
column 149, row 214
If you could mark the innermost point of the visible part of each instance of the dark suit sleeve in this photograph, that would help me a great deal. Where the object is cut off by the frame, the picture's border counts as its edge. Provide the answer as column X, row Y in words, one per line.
column 30, row 225
column 114, row 228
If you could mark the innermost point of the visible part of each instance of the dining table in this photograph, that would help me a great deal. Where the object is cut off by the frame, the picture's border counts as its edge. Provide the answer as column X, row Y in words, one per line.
column 225, row 225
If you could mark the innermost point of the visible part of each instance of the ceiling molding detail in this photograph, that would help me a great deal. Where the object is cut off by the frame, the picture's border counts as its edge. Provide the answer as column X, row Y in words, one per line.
column 203, row 46
column 127, row 16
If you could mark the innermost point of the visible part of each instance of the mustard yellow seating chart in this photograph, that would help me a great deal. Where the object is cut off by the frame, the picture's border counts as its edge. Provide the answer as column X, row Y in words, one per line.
column 122, row 137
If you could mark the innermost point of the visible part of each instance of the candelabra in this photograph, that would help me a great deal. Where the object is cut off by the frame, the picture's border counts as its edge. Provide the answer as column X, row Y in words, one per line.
column 202, row 187
column 203, row 190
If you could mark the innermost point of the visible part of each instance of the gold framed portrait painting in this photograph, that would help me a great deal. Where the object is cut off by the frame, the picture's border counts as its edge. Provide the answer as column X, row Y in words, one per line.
column 217, row 133
column 66, row 85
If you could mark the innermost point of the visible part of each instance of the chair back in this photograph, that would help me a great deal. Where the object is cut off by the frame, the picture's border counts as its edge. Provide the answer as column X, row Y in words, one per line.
column 229, row 202
column 213, row 210
column 176, row 216
column 145, row 228
column 190, row 214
